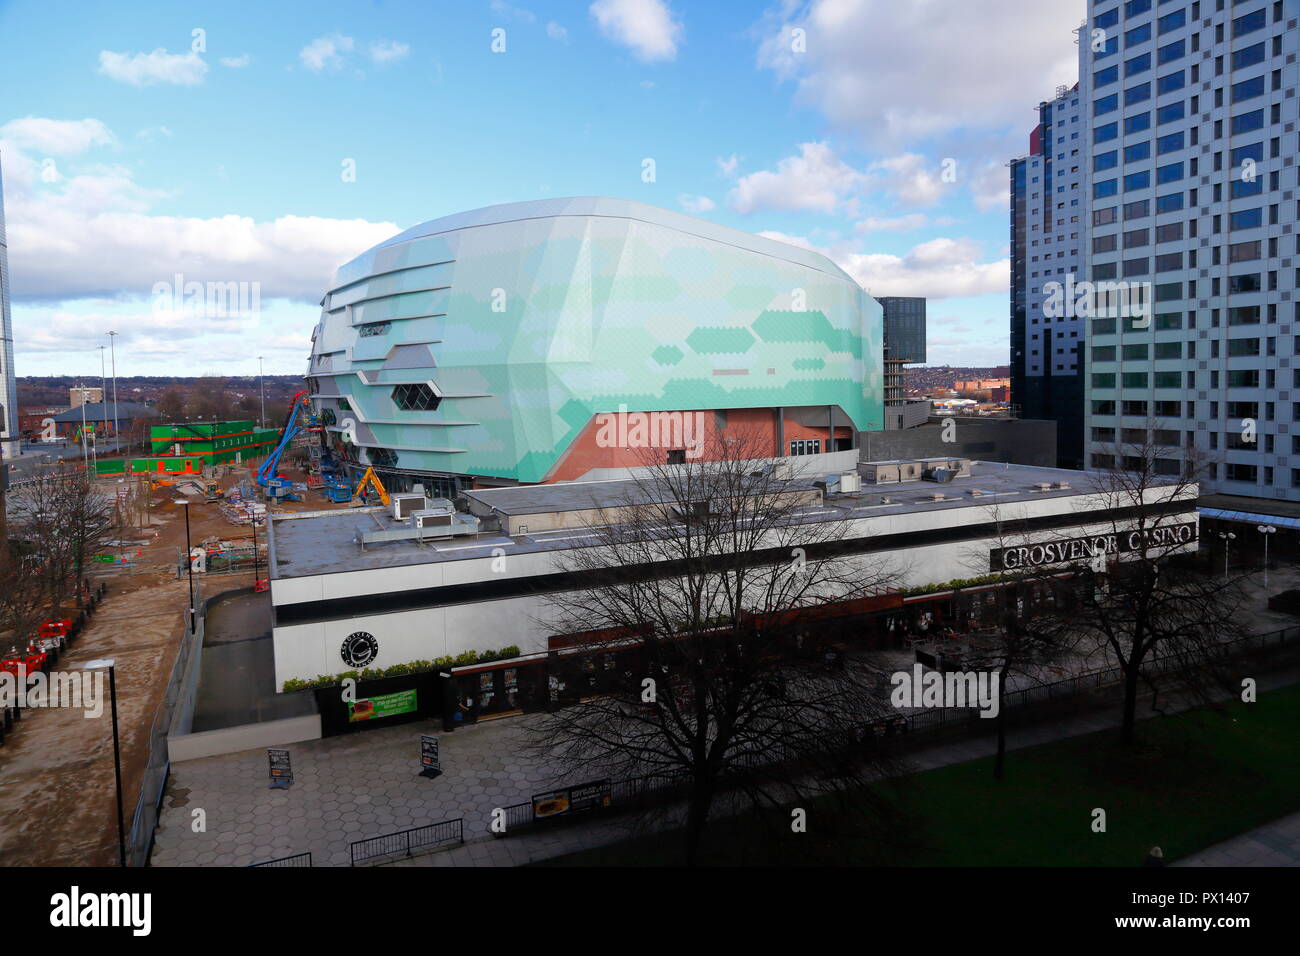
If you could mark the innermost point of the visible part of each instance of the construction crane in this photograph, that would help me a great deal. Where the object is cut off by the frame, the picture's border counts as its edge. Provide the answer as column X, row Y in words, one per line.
column 279, row 487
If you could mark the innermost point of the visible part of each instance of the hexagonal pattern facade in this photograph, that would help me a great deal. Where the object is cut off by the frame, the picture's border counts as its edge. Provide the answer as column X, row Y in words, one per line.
column 528, row 319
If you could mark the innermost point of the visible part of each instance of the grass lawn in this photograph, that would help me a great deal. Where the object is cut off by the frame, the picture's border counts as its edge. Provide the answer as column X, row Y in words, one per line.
column 1192, row 780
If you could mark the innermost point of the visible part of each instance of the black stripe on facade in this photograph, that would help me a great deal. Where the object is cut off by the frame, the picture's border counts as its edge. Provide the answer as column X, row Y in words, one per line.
column 333, row 609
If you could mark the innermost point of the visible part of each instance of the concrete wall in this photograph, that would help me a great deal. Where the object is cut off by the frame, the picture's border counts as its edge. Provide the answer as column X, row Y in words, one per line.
column 229, row 740
column 1019, row 441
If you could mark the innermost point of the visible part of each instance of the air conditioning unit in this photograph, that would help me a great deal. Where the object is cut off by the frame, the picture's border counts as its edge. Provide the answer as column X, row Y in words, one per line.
column 850, row 483
column 406, row 505
column 431, row 518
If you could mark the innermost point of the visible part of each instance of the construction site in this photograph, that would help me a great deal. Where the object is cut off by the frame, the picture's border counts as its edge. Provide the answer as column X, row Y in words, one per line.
column 103, row 561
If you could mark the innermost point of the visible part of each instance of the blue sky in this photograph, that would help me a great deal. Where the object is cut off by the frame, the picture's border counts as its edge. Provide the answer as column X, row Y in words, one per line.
column 135, row 149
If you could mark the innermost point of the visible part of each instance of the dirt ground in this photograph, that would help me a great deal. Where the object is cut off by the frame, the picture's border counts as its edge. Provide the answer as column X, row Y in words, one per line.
column 57, row 800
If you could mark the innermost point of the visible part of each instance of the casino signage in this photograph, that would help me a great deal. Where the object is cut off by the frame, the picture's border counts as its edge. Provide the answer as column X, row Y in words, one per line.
column 1083, row 549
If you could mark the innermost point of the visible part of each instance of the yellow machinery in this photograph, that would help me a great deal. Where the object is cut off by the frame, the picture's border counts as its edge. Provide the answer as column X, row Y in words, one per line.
column 371, row 479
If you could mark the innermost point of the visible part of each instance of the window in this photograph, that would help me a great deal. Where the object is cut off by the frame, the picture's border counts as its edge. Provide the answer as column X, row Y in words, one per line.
column 1104, row 161
column 1108, row 19
column 1106, row 131
column 1138, row 64
column 1171, row 113
column 1105, row 77
column 1169, row 174
column 1170, row 203
column 1134, row 379
column 1172, row 21
column 1137, row 352
column 1254, row 151
column 1169, row 262
column 1242, row 188
column 1137, row 151
column 1167, row 144
column 1247, row 122
column 1248, row 89
column 1244, row 315
column 1104, row 217
column 1137, row 35
column 1168, row 350
column 1136, row 237
column 1103, row 379
column 1244, row 251
column 1103, row 243
column 1246, row 219
column 1107, row 187
column 415, row 398
column 1169, row 232
column 1137, row 180
column 1237, row 472
column 1248, row 282
column 374, row 328
column 1238, row 347
column 1171, row 82
column 1137, row 94
column 1103, row 353
column 1243, row 378
column 1137, row 123
column 1134, row 7
column 1171, row 51
column 384, row 457
column 1106, row 104
column 1137, row 210
column 1248, row 24
column 1169, row 320
column 806, row 446
column 1248, row 56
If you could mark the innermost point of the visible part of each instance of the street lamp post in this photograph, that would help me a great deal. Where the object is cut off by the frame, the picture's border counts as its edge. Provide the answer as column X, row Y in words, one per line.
column 189, row 559
column 103, row 376
column 109, row 664
column 1267, row 530
column 261, row 393
column 1227, row 537
column 112, row 336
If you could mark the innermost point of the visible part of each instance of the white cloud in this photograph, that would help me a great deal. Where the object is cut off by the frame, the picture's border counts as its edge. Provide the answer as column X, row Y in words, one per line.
column 646, row 27
column 556, row 32
column 93, row 235
column 894, row 72
column 325, row 52
column 502, row 9
column 815, row 180
column 729, row 165
column 56, row 137
column 146, row 69
column 696, row 204
column 906, row 223
column 911, row 178
column 938, row 269
column 236, row 62
column 388, row 51
column 990, row 187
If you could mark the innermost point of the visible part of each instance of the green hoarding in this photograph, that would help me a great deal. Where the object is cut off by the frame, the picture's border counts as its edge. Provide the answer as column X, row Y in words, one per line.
column 383, row 705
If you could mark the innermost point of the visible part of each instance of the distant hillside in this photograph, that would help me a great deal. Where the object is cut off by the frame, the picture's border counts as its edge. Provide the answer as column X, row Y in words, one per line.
column 191, row 397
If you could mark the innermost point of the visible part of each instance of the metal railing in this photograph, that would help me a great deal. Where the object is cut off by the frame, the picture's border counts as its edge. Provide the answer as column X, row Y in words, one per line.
column 298, row 859
column 407, row 843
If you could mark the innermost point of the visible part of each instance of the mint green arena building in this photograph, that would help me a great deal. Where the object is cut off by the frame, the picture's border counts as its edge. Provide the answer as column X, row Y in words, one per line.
column 489, row 347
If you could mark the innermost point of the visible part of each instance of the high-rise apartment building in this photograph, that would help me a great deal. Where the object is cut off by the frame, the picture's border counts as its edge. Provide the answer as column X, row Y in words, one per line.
column 1190, row 184
column 8, row 384
column 1047, row 211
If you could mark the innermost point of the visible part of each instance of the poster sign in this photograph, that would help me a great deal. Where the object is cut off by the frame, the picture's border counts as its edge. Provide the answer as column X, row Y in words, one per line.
column 383, row 705
column 281, row 769
column 585, row 796
column 430, row 761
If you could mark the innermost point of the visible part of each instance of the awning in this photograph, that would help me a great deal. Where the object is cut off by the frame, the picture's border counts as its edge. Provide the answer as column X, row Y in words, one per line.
column 1246, row 517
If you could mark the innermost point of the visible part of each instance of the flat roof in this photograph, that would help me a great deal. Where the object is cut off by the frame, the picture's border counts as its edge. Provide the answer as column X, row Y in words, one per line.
column 304, row 545
column 585, row 495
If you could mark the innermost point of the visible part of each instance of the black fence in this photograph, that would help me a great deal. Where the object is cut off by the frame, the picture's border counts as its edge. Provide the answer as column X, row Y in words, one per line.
column 298, row 859
column 394, row 846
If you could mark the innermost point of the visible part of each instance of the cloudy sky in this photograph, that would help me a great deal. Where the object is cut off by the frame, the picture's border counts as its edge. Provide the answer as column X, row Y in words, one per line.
column 269, row 142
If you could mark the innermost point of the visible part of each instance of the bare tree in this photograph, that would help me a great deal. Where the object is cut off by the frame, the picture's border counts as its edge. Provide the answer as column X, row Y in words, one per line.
column 1140, row 593
column 703, row 630
column 1018, row 638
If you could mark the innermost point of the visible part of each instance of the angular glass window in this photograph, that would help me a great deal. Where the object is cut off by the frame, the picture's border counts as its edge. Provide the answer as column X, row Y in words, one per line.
column 415, row 398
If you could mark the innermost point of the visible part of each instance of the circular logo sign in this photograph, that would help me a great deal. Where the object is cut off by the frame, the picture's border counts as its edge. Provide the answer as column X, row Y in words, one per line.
column 360, row 649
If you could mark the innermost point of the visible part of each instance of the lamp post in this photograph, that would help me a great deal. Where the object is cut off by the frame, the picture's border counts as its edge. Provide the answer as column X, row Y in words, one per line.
column 1266, row 530
column 112, row 336
column 189, row 558
column 261, row 393
column 109, row 664
column 103, row 376
column 1227, row 537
